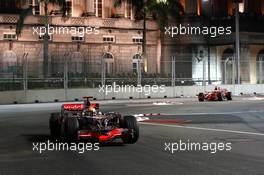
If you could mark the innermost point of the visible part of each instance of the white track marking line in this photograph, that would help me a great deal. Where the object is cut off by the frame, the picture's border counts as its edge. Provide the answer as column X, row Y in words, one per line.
column 206, row 129
column 218, row 113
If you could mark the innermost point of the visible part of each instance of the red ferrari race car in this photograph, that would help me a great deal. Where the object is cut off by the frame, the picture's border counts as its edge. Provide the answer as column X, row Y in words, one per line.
column 85, row 121
column 216, row 95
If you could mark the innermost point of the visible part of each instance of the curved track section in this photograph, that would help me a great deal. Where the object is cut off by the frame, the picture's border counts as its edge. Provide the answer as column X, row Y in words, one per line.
column 240, row 122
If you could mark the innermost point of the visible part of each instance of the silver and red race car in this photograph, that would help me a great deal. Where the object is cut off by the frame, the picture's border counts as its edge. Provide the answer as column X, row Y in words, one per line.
column 85, row 121
column 217, row 94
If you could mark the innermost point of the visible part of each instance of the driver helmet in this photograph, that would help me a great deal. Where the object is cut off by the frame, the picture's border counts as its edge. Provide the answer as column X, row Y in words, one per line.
column 87, row 103
column 91, row 109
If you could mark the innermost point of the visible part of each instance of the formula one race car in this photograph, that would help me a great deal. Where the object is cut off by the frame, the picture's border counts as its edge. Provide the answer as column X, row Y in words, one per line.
column 85, row 121
column 217, row 95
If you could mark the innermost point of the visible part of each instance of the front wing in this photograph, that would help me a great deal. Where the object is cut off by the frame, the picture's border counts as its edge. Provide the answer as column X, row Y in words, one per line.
column 105, row 137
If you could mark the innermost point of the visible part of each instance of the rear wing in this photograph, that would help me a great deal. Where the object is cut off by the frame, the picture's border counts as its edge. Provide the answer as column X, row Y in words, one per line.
column 73, row 107
column 78, row 107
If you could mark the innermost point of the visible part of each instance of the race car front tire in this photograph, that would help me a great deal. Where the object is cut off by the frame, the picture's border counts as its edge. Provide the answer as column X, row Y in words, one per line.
column 130, row 122
column 54, row 125
column 219, row 97
column 71, row 127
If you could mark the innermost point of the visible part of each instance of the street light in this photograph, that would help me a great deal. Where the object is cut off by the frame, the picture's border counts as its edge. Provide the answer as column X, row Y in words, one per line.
column 237, row 40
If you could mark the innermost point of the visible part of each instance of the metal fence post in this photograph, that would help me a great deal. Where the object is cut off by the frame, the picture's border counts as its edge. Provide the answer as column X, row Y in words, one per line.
column 103, row 71
column 225, row 73
column 237, row 42
column 204, row 72
column 66, row 79
column 209, row 66
column 173, row 75
column 25, row 72
column 201, row 54
column 261, row 70
column 139, row 72
column 233, row 70
column 65, row 73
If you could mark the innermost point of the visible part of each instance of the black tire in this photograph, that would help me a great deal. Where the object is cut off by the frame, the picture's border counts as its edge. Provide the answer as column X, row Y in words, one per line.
column 71, row 127
column 201, row 97
column 229, row 96
column 219, row 97
column 130, row 123
column 55, row 125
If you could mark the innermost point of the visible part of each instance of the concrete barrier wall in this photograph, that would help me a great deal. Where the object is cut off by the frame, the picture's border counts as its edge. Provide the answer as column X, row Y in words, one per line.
column 30, row 96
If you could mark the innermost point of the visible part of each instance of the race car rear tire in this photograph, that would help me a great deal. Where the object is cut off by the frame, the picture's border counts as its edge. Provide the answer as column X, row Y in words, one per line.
column 71, row 127
column 201, row 97
column 130, row 122
column 54, row 125
column 229, row 96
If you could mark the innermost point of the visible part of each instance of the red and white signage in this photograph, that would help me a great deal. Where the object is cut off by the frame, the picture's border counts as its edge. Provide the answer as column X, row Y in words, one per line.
column 73, row 107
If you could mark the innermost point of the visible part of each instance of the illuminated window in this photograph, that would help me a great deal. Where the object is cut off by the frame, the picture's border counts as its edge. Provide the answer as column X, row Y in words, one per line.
column 182, row 2
column 34, row 4
column 98, row 8
column 68, row 8
column 230, row 7
column 198, row 7
column 128, row 9
column 36, row 9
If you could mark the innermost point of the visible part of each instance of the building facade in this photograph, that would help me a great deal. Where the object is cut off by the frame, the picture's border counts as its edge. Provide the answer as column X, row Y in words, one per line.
column 90, row 30
column 217, row 61
column 104, row 33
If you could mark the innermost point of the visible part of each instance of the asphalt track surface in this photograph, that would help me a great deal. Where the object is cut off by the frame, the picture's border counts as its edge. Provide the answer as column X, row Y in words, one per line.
column 240, row 122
